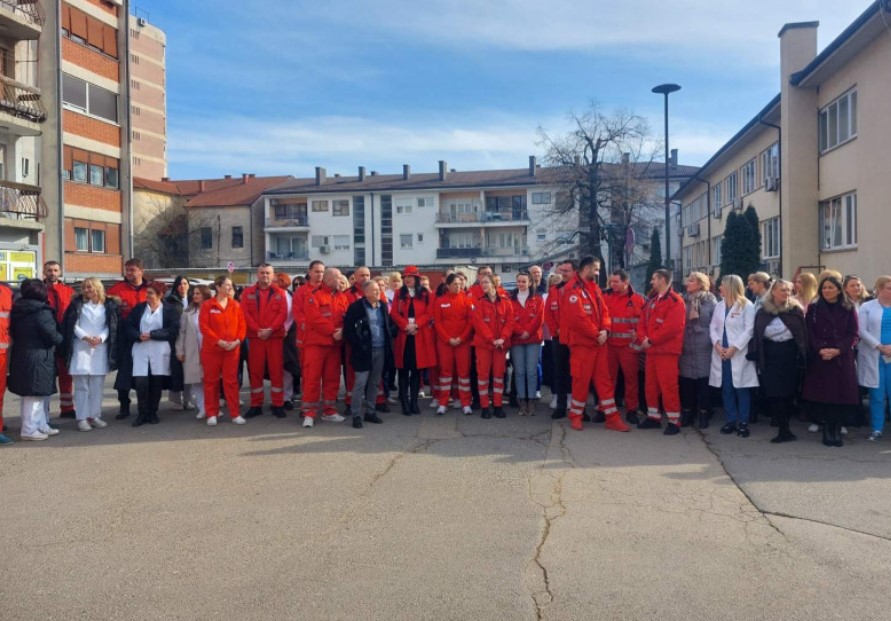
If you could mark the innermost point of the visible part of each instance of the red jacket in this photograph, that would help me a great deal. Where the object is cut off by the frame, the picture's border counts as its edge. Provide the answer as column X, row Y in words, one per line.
column 265, row 309
column 552, row 309
column 451, row 317
column 58, row 296
column 624, row 312
column 323, row 312
column 5, row 308
column 130, row 296
column 663, row 323
column 220, row 324
column 492, row 321
column 298, row 306
column 425, row 340
column 528, row 318
column 583, row 314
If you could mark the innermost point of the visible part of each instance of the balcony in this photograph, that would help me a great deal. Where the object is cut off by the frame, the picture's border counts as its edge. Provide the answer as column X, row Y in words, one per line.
column 477, row 253
column 507, row 217
column 287, row 256
column 19, row 201
column 21, row 107
column 290, row 222
column 22, row 19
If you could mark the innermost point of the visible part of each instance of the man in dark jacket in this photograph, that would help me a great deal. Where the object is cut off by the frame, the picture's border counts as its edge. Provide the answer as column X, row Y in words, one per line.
column 366, row 328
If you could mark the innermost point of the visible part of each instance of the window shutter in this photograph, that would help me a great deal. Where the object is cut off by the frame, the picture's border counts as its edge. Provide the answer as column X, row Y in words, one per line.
column 94, row 32
column 69, row 156
column 110, row 41
column 66, row 17
column 79, row 23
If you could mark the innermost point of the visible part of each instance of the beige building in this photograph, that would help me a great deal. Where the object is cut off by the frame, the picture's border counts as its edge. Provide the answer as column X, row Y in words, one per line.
column 813, row 162
column 148, row 99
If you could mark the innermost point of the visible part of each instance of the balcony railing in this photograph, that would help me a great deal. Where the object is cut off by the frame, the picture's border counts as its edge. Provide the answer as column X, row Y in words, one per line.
column 21, row 100
column 474, row 253
column 287, row 256
column 21, row 202
column 29, row 9
column 483, row 217
column 292, row 221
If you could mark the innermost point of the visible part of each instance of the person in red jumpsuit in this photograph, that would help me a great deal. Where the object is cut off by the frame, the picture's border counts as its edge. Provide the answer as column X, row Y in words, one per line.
column 298, row 304
column 265, row 310
column 493, row 324
column 625, row 307
column 59, row 297
column 585, row 321
column 130, row 291
column 451, row 320
column 5, row 308
column 222, row 326
column 323, row 313
column 661, row 335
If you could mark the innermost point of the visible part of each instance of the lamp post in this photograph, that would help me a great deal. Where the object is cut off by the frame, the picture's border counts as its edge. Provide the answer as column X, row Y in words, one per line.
column 666, row 90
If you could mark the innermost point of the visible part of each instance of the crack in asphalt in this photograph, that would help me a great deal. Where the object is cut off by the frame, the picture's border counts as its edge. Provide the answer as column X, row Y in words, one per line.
column 822, row 523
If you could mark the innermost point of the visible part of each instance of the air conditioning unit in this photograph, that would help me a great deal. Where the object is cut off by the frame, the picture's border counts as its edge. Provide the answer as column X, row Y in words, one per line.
column 771, row 184
column 693, row 230
column 141, row 21
column 325, row 249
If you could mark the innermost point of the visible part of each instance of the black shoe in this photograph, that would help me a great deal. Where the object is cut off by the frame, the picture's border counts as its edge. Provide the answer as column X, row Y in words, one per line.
column 406, row 409
column 288, row 405
column 253, row 412
column 728, row 428
column 279, row 412
column 499, row 412
column 371, row 417
column 599, row 417
column 357, row 422
column 586, row 418
column 828, row 439
column 347, row 411
column 784, row 436
column 382, row 407
column 650, row 423
column 837, row 436
column 487, row 412
column 153, row 419
column 671, row 430
column 631, row 418
column 475, row 404
column 123, row 413
column 558, row 414
column 415, row 409
column 743, row 430
column 703, row 419
column 71, row 414
column 686, row 418
column 140, row 420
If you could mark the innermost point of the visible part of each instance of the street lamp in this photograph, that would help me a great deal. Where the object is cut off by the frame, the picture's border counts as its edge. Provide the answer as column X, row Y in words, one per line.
column 667, row 89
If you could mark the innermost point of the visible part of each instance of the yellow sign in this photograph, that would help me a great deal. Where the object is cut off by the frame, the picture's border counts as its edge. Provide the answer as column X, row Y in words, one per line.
column 4, row 273
column 23, row 257
column 21, row 273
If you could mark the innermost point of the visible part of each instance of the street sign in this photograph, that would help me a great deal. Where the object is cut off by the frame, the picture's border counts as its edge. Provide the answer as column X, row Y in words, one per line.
column 230, row 266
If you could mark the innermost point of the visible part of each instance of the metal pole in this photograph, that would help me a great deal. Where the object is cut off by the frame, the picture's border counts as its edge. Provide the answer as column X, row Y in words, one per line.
column 667, row 197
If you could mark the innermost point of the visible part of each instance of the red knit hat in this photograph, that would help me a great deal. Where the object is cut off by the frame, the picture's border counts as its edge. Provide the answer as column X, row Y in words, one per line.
column 411, row 270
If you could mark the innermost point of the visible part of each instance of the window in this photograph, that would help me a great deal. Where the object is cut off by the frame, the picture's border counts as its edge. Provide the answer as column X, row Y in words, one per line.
column 87, row 30
column 341, row 242
column 82, row 239
column 403, row 208
column 541, row 235
column 425, row 201
column 206, row 238
column 716, row 249
column 341, row 208
column 79, row 172
column 770, row 238
column 318, row 206
column 748, row 176
column 405, row 241
column 97, row 175
column 134, row 85
column 770, row 163
column 134, row 59
column 111, row 177
column 97, row 241
column 731, row 187
column 420, row 238
column 838, row 222
column 319, row 241
column 237, row 237
column 541, row 198
column 838, row 121
column 89, row 98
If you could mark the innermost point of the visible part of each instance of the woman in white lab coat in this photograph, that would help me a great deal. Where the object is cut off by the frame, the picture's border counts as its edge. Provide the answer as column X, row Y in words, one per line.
column 731, row 329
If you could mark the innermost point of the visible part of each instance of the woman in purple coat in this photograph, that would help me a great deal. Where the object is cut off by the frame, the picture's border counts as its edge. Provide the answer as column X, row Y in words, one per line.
column 830, row 383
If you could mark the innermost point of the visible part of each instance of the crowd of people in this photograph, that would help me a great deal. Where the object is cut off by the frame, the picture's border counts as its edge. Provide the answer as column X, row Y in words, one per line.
column 808, row 349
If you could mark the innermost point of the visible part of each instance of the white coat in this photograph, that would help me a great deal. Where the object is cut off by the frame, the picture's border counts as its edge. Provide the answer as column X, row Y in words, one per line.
column 154, row 354
column 740, row 324
column 188, row 345
column 86, row 360
column 870, row 317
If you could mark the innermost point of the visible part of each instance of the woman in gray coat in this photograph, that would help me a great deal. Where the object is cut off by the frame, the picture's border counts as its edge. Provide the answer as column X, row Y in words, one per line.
column 188, row 349
column 696, row 355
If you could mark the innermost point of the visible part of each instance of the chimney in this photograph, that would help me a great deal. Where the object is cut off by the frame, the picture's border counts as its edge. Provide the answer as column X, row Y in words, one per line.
column 252, row 176
column 373, row 173
column 532, row 165
column 673, row 158
column 626, row 158
column 244, row 178
column 406, row 171
column 337, row 175
column 443, row 170
column 320, row 175
column 201, row 185
column 165, row 178
column 227, row 177
column 361, row 173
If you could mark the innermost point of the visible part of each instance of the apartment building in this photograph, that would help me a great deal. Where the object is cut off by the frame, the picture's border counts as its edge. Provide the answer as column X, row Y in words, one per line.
column 148, row 99
column 813, row 161
column 85, row 157
column 23, row 114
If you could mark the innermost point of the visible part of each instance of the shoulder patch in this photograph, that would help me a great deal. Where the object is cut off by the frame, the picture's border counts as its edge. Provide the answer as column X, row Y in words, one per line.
column 573, row 299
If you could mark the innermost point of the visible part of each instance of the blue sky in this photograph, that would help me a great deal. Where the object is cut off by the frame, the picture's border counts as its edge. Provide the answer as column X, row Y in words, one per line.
column 281, row 87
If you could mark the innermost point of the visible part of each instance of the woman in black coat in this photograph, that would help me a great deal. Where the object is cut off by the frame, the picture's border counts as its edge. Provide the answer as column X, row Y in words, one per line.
column 32, row 361
column 179, row 299
column 779, row 349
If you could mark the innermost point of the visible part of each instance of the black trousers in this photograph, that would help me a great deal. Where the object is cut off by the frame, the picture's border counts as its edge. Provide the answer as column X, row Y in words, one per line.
column 562, row 379
column 696, row 394
column 148, row 395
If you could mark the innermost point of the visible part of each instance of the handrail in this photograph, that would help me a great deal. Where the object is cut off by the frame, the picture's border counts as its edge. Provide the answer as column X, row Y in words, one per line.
column 31, row 9
column 21, row 201
column 22, row 100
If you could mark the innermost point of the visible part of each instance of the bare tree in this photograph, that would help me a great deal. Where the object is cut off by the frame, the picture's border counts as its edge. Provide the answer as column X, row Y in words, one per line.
column 162, row 231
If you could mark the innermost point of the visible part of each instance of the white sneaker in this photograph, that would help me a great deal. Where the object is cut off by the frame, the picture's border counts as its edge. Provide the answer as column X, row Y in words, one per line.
column 84, row 425
column 200, row 415
column 239, row 420
column 468, row 410
column 553, row 403
column 49, row 431
column 34, row 437
column 308, row 421
column 844, row 431
column 538, row 394
column 333, row 418
column 98, row 423
column 392, row 401
column 212, row 421
column 814, row 428
column 434, row 403
column 421, row 395
column 441, row 410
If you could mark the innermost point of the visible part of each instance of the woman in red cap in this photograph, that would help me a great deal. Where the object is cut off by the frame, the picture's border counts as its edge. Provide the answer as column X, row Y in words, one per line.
column 415, row 347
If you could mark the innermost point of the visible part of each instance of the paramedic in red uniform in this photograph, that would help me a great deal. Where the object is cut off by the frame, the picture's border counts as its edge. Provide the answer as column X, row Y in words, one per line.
column 222, row 326
column 5, row 309
column 493, row 324
column 585, row 323
column 265, row 310
column 59, row 297
column 661, row 335
column 298, row 304
column 130, row 291
column 625, row 307
column 451, row 320
column 561, row 387
column 323, row 314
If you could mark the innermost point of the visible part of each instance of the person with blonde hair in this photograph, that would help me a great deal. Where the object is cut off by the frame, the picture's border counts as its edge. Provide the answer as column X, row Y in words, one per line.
column 758, row 283
column 89, row 349
column 188, row 349
column 874, row 353
column 696, row 355
column 805, row 289
column 731, row 329
column 394, row 284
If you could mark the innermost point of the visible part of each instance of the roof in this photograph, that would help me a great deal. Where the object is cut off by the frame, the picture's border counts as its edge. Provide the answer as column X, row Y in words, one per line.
column 226, row 192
